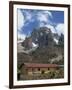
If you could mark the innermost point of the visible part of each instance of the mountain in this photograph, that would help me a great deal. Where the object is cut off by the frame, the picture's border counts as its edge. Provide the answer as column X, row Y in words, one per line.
column 42, row 46
column 61, row 40
column 42, row 36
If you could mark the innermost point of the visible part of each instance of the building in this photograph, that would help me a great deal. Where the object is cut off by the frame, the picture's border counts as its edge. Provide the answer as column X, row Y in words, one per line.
column 36, row 68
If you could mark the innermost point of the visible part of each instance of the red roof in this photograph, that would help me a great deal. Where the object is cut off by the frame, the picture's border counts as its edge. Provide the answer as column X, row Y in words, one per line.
column 39, row 65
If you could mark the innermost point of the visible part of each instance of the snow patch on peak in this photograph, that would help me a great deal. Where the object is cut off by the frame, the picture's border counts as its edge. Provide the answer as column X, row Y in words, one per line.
column 20, row 41
column 56, row 40
column 34, row 45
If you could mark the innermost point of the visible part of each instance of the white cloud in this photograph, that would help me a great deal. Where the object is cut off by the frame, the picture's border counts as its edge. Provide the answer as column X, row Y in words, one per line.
column 21, row 20
column 48, row 13
column 51, row 27
column 43, row 16
column 60, row 28
column 21, row 23
column 21, row 36
column 41, row 24
column 28, row 15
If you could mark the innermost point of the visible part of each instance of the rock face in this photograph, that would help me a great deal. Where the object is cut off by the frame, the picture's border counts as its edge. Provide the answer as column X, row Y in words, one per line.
column 27, row 43
column 61, row 40
column 43, row 36
column 42, row 46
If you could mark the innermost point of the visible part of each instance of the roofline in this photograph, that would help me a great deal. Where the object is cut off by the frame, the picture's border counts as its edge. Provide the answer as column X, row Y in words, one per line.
column 54, row 65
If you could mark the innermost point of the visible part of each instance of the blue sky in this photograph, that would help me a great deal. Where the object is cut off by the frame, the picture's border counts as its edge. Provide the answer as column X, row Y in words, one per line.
column 28, row 19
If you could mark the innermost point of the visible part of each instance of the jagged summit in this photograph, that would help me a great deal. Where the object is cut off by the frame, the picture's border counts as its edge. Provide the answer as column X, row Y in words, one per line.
column 42, row 46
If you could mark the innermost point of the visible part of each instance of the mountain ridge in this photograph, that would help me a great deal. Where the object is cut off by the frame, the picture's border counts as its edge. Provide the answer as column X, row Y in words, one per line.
column 42, row 46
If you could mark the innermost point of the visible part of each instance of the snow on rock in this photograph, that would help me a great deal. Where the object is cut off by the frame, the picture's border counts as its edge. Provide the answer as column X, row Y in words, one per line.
column 34, row 45
column 19, row 41
column 56, row 40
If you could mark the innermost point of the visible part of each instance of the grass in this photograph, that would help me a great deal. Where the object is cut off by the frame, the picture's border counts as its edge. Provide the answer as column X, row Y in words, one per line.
column 50, row 75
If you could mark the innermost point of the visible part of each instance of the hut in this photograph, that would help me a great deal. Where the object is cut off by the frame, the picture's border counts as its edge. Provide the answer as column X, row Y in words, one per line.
column 37, row 68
